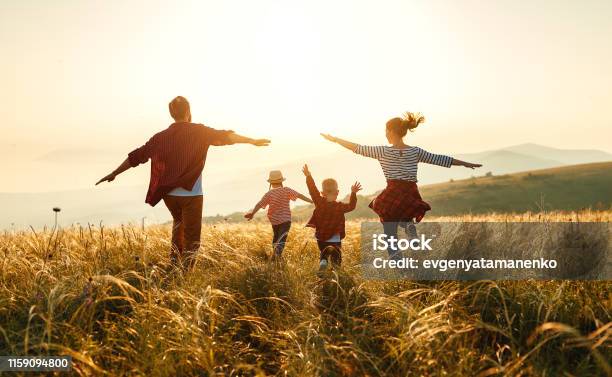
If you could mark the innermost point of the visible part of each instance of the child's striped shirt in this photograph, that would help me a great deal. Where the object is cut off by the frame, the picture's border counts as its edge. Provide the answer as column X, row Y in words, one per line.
column 278, row 201
column 402, row 163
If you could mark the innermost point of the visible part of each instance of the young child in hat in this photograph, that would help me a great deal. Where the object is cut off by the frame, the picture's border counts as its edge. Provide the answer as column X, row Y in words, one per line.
column 277, row 200
column 328, row 218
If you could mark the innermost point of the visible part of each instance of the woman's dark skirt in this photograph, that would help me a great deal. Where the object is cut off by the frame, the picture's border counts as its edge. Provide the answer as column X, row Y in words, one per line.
column 400, row 201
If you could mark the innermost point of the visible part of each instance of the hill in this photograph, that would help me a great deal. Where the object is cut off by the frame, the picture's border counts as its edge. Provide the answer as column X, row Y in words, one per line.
column 564, row 188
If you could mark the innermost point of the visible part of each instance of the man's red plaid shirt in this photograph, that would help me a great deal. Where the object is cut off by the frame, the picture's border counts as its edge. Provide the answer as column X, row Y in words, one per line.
column 177, row 155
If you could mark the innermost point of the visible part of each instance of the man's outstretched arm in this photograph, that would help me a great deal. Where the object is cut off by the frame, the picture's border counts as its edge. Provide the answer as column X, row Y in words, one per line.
column 239, row 139
column 136, row 157
column 142, row 154
column 125, row 165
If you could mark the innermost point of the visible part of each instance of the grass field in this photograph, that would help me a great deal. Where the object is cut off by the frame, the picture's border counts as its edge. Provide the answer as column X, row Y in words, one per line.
column 108, row 298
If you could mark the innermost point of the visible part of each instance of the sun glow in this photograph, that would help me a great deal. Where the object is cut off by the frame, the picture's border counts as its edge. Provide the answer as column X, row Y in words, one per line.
column 93, row 76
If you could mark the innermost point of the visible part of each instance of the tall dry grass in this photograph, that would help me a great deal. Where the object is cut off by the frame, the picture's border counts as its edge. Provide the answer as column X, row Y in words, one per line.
column 109, row 298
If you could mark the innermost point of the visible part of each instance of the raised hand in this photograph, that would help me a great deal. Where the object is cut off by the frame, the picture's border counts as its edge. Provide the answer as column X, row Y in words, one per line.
column 305, row 170
column 329, row 137
column 356, row 187
column 261, row 142
column 109, row 178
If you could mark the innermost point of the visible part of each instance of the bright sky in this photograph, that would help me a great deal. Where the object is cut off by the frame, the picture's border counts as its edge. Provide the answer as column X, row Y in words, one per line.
column 97, row 75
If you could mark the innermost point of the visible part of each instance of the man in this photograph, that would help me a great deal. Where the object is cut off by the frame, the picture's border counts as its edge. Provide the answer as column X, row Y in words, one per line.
column 178, row 155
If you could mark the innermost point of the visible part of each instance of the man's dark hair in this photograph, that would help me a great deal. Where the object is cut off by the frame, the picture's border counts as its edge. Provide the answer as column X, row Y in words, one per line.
column 179, row 108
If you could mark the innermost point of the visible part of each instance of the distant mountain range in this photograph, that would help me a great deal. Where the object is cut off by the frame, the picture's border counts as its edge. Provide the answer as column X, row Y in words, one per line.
column 533, row 156
column 240, row 189
column 563, row 156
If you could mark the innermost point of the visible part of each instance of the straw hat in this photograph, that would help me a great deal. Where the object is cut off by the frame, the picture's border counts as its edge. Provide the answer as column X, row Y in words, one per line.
column 276, row 176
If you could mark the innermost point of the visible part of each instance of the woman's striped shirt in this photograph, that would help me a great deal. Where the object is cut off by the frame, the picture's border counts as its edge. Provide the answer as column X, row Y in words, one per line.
column 278, row 201
column 401, row 163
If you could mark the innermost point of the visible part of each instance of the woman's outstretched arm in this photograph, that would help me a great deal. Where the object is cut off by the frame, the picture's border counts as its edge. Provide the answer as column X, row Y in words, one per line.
column 466, row 164
column 345, row 143
column 442, row 160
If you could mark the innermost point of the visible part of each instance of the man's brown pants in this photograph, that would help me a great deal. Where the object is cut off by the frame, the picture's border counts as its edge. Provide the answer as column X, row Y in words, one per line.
column 187, row 227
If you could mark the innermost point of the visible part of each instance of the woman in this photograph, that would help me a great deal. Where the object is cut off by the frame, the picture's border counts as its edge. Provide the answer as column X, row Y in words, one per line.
column 400, row 201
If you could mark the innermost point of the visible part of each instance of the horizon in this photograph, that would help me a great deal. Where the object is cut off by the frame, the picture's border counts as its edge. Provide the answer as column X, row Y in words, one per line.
column 123, row 205
column 297, row 160
column 140, row 178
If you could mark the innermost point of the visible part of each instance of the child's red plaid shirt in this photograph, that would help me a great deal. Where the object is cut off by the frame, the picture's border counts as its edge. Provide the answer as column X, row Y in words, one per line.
column 328, row 217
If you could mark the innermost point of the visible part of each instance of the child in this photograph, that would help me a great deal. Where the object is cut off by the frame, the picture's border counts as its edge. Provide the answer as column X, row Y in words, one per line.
column 328, row 218
column 279, row 214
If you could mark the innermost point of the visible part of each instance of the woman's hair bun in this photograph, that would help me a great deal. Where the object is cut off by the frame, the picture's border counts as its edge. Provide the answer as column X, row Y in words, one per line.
column 412, row 120
column 409, row 121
